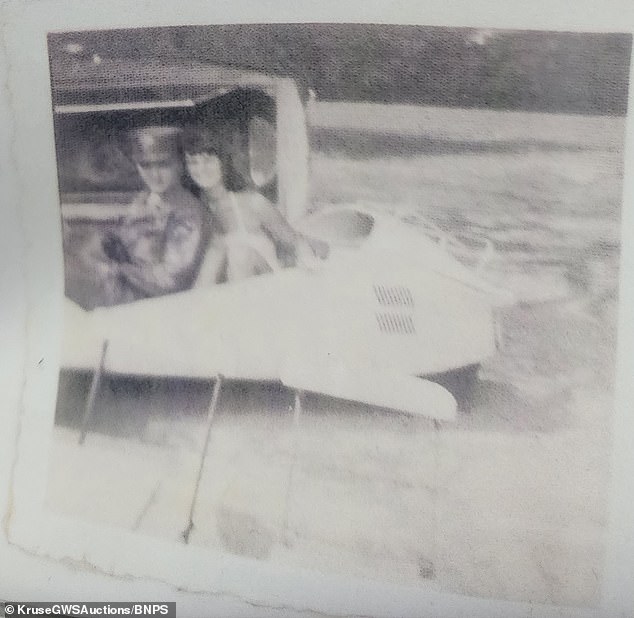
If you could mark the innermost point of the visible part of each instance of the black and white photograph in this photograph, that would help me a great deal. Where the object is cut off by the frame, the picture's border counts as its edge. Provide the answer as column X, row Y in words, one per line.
column 343, row 298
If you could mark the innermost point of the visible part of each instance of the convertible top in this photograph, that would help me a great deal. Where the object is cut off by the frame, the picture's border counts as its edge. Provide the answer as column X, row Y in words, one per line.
column 115, row 93
column 96, row 84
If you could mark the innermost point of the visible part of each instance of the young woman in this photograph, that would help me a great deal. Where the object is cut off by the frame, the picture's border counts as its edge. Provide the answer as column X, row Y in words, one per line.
column 250, row 235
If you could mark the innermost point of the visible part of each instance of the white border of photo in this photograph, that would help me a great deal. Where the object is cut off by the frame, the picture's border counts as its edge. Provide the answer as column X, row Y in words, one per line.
column 46, row 557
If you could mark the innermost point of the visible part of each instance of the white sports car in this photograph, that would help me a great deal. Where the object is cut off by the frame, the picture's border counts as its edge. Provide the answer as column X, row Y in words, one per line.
column 391, row 304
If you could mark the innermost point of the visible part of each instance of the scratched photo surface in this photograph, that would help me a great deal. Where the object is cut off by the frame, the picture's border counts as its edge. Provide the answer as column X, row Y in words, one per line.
column 343, row 297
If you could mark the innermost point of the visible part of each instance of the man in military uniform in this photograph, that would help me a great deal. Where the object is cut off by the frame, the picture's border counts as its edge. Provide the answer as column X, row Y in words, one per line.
column 158, row 247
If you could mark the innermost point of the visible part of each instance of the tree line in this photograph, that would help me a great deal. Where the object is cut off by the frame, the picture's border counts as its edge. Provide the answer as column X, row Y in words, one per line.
column 500, row 69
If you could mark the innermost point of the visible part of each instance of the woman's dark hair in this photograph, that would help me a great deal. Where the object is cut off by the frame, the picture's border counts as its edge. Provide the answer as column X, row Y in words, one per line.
column 197, row 140
column 200, row 140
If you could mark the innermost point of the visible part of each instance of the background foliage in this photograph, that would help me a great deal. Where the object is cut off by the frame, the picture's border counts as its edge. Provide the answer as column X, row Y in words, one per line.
column 524, row 70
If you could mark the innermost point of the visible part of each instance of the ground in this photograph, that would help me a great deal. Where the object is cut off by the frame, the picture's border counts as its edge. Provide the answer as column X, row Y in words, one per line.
column 509, row 502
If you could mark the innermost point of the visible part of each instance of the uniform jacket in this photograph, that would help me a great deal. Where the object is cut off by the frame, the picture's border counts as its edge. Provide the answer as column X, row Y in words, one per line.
column 165, row 237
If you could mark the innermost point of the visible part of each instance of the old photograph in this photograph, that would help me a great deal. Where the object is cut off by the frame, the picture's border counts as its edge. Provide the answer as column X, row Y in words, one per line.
column 343, row 297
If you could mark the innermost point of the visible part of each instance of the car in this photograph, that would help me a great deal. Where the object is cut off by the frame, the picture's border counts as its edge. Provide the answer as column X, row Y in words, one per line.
column 384, row 319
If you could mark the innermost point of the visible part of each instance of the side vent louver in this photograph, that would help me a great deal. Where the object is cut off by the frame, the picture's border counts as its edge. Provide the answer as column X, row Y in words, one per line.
column 397, row 323
column 394, row 295
column 398, row 302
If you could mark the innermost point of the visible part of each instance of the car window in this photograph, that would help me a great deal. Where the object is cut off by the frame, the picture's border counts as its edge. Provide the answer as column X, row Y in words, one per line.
column 92, row 158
